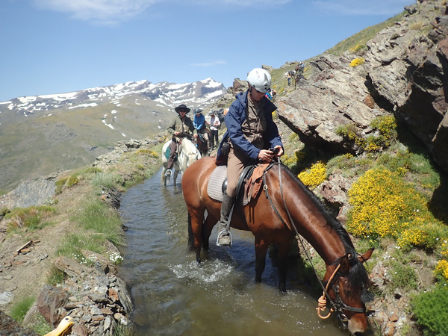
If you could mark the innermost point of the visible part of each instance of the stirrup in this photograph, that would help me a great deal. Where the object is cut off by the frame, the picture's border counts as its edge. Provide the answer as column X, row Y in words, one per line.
column 220, row 234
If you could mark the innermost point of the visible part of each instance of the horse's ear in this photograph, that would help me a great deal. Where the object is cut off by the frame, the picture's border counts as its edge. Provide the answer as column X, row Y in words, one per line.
column 366, row 256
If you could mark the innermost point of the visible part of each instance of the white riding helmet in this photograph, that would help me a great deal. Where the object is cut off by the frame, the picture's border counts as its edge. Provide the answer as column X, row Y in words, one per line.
column 260, row 79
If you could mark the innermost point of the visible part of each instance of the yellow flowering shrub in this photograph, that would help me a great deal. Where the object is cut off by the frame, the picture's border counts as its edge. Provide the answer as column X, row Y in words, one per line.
column 445, row 248
column 386, row 126
column 357, row 61
column 149, row 152
column 288, row 160
column 381, row 204
column 385, row 205
column 442, row 268
column 314, row 176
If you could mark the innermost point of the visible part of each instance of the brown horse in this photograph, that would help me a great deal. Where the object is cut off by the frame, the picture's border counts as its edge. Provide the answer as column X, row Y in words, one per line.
column 268, row 216
column 202, row 143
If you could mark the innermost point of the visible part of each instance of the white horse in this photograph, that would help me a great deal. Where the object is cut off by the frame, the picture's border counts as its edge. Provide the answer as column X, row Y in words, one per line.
column 187, row 155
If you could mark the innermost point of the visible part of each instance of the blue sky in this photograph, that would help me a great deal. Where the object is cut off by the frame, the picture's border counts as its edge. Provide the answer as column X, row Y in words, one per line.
column 56, row 46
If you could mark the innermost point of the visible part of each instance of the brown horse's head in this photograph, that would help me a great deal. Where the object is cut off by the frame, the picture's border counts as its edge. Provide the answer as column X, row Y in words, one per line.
column 347, row 288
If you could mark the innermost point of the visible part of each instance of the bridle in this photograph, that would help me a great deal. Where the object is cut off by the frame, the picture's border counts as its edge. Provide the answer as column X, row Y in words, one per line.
column 337, row 305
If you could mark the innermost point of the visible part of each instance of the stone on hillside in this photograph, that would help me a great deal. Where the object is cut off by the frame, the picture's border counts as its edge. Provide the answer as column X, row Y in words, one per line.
column 49, row 301
column 6, row 298
column 8, row 326
column 124, row 296
column 72, row 267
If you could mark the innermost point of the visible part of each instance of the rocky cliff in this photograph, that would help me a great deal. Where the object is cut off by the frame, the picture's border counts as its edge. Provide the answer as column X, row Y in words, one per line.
column 401, row 71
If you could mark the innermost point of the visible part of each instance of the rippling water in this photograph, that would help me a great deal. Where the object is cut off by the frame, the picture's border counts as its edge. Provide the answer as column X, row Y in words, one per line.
column 175, row 296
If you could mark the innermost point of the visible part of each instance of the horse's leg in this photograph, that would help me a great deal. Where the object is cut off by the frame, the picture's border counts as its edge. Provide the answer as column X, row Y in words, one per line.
column 282, row 259
column 163, row 177
column 176, row 172
column 261, row 248
column 209, row 223
column 195, row 226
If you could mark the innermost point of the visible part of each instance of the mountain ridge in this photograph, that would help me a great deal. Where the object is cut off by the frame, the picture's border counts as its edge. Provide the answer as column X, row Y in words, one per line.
column 47, row 133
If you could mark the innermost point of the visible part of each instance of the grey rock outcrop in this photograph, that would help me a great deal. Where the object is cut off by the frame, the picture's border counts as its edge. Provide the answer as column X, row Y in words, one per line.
column 334, row 95
column 407, row 70
column 404, row 73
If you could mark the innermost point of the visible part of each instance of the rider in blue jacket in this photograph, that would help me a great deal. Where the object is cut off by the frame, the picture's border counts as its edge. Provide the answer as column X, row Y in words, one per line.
column 251, row 132
column 199, row 125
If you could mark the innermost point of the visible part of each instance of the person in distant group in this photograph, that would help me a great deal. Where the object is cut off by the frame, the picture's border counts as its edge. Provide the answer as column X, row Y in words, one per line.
column 214, row 126
column 288, row 77
column 180, row 127
column 251, row 132
column 199, row 125
column 300, row 67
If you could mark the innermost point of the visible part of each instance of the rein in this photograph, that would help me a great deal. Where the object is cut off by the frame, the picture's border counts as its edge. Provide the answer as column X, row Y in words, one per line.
column 337, row 305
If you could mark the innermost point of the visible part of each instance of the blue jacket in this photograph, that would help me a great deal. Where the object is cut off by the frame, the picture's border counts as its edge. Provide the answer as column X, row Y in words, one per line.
column 235, row 118
column 199, row 122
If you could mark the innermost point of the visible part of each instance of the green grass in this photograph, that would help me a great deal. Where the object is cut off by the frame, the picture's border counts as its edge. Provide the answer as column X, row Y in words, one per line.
column 402, row 275
column 96, row 223
column 32, row 218
column 41, row 327
column 98, row 217
column 56, row 276
column 121, row 330
column 358, row 41
column 19, row 310
column 74, row 244
column 107, row 179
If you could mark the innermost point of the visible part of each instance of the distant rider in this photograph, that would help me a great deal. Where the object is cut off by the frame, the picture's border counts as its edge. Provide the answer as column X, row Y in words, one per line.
column 199, row 125
column 180, row 127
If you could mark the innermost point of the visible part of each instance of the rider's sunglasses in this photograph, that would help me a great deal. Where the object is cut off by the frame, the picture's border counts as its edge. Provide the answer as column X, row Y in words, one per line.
column 183, row 111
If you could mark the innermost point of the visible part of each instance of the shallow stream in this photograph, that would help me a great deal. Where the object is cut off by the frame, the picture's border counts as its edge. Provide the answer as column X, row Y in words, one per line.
column 175, row 296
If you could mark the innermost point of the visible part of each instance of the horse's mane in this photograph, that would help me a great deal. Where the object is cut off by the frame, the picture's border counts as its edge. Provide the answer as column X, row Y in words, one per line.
column 358, row 276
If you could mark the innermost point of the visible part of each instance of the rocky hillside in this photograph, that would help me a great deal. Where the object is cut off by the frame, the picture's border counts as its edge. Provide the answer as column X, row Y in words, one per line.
column 401, row 71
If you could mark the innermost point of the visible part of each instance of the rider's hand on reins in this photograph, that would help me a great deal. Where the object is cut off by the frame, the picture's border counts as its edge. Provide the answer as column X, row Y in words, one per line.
column 268, row 155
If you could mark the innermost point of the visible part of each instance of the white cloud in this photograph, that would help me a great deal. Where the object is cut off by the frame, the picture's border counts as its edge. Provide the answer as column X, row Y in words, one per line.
column 208, row 64
column 102, row 11
column 114, row 11
column 363, row 7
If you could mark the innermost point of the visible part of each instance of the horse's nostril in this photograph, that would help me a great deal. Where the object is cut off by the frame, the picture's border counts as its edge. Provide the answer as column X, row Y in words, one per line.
column 370, row 312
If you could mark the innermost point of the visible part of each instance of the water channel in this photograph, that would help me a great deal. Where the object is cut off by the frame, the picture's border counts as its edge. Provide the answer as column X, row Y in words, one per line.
column 174, row 296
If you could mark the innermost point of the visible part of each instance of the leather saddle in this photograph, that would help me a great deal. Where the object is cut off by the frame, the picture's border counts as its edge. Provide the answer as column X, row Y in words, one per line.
column 248, row 186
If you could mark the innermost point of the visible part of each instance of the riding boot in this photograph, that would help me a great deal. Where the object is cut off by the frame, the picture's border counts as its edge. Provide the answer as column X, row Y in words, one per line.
column 224, row 224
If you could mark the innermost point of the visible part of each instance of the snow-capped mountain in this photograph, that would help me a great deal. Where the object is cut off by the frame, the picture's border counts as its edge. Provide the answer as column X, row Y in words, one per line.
column 43, row 134
column 200, row 93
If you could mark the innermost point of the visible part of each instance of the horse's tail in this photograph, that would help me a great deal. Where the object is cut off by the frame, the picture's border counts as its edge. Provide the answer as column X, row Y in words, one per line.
column 190, row 235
